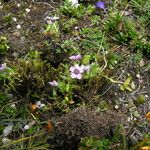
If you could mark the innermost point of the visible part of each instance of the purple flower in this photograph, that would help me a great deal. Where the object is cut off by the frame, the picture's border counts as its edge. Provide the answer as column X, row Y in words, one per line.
column 2, row 66
column 53, row 83
column 75, row 57
column 76, row 71
column 100, row 5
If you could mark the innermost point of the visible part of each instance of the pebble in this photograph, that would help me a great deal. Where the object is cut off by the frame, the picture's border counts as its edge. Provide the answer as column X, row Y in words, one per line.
column 18, row 5
column 14, row 19
column 27, row 10
column 26, row 127
column 18, row 26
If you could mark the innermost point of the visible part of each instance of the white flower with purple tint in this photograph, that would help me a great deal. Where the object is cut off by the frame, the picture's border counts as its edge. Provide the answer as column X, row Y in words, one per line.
column 85, row 68
column 76, row 72
column 51, row 19
column 39, row 104
column 53, row 83
column 2, row 67
column 75, row 57
column 100, row 4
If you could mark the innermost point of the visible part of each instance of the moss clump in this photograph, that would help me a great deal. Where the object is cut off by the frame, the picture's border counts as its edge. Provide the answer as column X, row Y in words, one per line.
column 79, row 123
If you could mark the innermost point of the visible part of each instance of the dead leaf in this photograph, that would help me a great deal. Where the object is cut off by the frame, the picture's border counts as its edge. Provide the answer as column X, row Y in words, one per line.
column 33, row 107
column 148, row 116
column 141, row 63
column 71, row 102
column 145, row 148
column 49, row 125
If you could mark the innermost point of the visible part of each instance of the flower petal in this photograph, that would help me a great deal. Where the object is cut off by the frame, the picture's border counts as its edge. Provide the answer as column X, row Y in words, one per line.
column 53, row 83
column 72, row 69
column 79, row 76
column 100, row 5
column 73, row 76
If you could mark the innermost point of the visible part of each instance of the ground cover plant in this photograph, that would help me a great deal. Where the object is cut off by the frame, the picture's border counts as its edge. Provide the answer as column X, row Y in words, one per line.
column 74, row 75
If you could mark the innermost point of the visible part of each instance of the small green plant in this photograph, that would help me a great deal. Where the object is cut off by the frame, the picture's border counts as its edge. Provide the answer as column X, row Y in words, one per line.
column 52, row 29
column 93, row 39
column 113, row 22
column 143, row 45
column 68, row 25
column 3, row 99
column 7, row 18
column 6, row 74
column 3, row 45
column 94, row 143
column 140, row 100
column 113, row 60
column 126, row 85
column 128, row 31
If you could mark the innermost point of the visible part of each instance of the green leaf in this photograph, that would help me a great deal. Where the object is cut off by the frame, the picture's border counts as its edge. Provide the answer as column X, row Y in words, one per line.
column 127, row 85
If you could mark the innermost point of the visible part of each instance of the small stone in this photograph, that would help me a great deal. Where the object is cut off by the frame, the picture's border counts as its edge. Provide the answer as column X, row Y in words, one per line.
column 26, row 127
column 8, row 129
column 14, row 19
column 13, row 105
column 106, row 52
column 116, row 106
column 76, row 27
column 138, row 76
column 6, row 140
column 27, row 10
column 18, row 26
column 18, row 5
column 128, row 12
column 115, row 62
column 132, row 85
column 115, row 93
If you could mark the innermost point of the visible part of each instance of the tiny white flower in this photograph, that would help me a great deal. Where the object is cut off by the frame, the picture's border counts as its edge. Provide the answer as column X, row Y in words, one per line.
column 27, row 10
column 39, row 104
column 18, row 26
column 51, row 19
column 3, row 67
